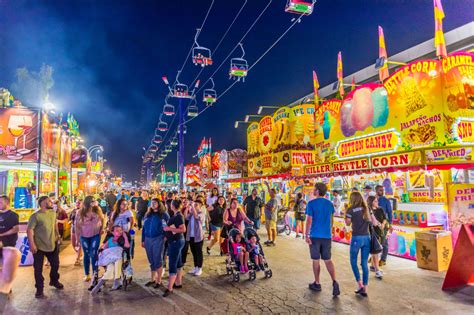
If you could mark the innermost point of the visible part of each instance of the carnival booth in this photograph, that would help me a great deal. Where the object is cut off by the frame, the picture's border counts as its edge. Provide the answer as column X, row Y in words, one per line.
column 412, row 135
column 35, row 159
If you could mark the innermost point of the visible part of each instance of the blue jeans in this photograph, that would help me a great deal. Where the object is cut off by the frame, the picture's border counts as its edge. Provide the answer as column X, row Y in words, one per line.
column 360, row 243
column 90, row 246
column 256, row 223
column 175, row 249
column 154, row 247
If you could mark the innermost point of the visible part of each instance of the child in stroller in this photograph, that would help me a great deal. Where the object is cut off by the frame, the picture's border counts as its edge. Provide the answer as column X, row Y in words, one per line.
column 240, row 251
column 257, row 260
column 111, row 257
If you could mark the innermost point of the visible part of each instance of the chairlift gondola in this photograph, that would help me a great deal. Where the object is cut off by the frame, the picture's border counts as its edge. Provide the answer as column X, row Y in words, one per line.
column 174, row 142
column 153, row 148
column 168, row 149
column 239, row 67
column 201, row 55
column 162, row 126
column 193, row 110
column 168, row 109
column 301, row 7
column 210, row 95
column 157, row 139
column 185, row 129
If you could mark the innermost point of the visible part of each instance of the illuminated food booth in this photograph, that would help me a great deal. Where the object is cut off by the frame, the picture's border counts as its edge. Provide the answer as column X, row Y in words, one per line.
column 413, row 135
column 25, row 154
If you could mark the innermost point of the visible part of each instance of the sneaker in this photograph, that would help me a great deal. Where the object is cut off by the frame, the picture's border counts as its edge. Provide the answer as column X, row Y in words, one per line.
column 117, row 285
column 58, row 285
column 177, row 286
column 149, row 283
column 315, row 286
column 193, row 272
column 208, row 250
column 298, row 236
column 372, row 268
column 87, row 278
column 198, row 272
column 167, row 293
column 267, row 242
column 97, row 287
column 382, row 263
column 335, row 289
column 379, row 274
column 39, row 294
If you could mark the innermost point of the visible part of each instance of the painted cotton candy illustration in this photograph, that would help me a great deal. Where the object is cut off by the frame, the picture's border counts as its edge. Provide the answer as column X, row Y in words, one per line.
column 363, row 109
column 346, row 123
column 326, row 126
column 380, row 103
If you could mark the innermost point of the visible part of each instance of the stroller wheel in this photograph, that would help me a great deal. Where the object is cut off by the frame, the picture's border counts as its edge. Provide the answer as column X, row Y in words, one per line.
column 252, row 275
column 236, row 277
column 268, row 273
column 229, row 270
column 287, row 229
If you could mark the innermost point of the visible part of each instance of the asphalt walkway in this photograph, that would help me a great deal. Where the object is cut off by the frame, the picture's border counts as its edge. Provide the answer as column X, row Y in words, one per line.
column 405, row 289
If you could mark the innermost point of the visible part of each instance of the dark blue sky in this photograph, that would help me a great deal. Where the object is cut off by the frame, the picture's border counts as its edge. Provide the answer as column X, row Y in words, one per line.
column 108, row 58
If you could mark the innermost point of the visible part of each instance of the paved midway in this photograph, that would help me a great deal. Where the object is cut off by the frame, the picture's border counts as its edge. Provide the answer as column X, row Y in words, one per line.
column 405, row 289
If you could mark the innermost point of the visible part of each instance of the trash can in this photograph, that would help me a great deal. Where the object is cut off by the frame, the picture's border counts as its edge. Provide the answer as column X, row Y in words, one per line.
column 434, row 249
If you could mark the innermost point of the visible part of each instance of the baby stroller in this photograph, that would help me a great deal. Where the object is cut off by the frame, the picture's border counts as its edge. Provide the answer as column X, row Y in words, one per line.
column 248, row 234
column 283, row 221
column 232, row 263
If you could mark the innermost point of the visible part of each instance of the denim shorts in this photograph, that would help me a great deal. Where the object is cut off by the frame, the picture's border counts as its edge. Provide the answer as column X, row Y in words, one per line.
column 214, row 227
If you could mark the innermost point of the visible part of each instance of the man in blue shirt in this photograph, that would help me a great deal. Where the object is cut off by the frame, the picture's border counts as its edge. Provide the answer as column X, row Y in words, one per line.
column 319, row 218
column 385, row 204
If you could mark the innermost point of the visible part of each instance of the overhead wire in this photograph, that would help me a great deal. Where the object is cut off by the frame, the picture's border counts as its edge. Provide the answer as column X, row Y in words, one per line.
column 222, row 39
column 253, row 65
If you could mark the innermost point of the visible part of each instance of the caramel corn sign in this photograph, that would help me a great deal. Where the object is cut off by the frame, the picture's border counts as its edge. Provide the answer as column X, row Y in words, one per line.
column 376, row 143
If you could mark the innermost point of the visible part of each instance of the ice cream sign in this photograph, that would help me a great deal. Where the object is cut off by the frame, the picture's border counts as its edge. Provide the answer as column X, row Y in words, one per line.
column 380, row 142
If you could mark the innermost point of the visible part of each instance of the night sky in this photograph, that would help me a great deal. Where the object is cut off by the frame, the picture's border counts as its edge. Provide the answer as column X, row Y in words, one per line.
column 108, row 58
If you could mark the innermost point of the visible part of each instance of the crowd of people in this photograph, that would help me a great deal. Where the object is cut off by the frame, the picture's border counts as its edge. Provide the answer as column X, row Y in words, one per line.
column 103, row 229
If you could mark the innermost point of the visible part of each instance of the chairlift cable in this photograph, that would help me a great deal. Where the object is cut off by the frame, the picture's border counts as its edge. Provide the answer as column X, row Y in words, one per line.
column 222, row 38
column 202, row 26
column 254, row 64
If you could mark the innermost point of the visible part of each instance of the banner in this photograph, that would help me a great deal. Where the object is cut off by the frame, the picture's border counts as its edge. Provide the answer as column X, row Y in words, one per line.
column 281, row 141
column 237, row 163
column 266, row 135
column 50, row 141
column 18, row 134
column 458, row 96
column 65, row 154
column 79, row 157
column 460, row 207
column 449, row 155
column 223, row 164
column 412, row 158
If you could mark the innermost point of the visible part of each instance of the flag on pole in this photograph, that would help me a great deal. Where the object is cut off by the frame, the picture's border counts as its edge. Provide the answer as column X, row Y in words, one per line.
column 383, row 71
column 210, row 146
column 353, row 84
column 315, row 87
column 439, row 43
column 339, row 74
column 165, row 79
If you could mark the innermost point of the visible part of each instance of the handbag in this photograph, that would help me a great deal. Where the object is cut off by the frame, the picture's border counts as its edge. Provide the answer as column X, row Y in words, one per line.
column 375, row 246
